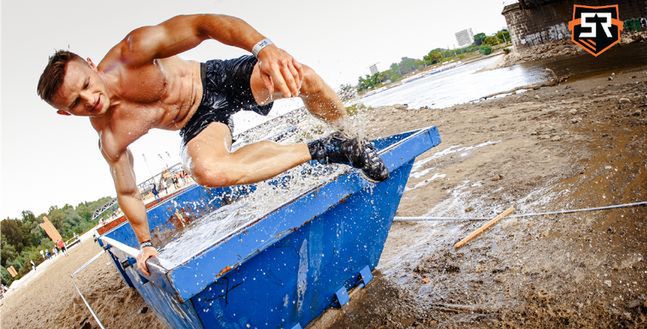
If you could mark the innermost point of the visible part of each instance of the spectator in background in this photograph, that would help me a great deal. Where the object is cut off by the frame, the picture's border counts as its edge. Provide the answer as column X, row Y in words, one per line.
column 61, row 246
column 42, row 254
column 175, row 181
column 155, row 192
column 163, row 187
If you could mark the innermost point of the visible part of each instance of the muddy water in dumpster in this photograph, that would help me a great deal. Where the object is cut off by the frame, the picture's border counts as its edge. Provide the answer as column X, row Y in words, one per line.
column 461, row 84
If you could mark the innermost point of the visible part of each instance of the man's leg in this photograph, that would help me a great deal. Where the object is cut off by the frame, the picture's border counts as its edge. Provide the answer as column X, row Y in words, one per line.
column 212, row 164
column 323, row 102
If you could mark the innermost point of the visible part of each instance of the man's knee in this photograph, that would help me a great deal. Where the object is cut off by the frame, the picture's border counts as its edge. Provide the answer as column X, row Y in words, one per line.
column 212, row 175
column 312, row 82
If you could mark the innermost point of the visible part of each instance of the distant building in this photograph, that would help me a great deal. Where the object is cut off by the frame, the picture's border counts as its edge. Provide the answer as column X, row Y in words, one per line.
column 373, row 69
column 465, row 37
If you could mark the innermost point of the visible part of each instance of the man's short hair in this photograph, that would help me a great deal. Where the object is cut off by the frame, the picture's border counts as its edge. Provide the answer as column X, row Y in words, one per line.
column 54, row 73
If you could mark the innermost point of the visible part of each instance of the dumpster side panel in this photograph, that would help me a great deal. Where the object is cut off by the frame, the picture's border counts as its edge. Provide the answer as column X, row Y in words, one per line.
column 295, row 280
column 174, row 313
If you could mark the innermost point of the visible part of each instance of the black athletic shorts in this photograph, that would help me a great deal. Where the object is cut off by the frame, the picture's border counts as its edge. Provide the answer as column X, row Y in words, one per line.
column 225, row 91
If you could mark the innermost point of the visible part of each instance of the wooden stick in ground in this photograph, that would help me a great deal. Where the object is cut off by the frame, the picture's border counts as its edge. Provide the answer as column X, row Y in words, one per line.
column 484, row 227
column 460, row 308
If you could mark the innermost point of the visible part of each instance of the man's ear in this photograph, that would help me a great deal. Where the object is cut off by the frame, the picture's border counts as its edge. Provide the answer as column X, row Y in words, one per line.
column 61, row 112
column 91, row 63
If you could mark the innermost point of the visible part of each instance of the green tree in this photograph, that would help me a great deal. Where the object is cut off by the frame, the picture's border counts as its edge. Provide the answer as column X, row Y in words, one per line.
column 491, row 41
column 13, row 233
column 478, row 38
column 21, row 239
column 485, row 50
column 370, row 81
column 6, row 277
column 503, row 35
column 408, row 65
column 392, row 75
column 433, row 57
column 7, row 252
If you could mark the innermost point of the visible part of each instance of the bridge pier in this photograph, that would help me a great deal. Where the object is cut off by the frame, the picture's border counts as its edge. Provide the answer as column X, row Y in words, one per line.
column 535, row 22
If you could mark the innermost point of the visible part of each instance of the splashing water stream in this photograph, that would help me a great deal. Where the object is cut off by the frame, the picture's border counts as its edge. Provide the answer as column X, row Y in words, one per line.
column 265, row 198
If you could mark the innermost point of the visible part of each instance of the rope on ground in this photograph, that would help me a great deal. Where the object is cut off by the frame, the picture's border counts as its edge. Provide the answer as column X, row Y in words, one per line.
column 532, row 214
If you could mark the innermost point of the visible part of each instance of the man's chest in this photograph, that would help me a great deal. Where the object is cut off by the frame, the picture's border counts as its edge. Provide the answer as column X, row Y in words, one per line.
column 143, row 86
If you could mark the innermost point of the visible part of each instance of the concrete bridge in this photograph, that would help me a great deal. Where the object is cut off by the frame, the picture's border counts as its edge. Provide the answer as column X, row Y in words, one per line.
column 534, row 22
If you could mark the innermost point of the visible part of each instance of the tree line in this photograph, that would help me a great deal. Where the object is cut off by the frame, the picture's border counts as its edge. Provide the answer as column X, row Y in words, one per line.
column 482, row 44
column 21, row 239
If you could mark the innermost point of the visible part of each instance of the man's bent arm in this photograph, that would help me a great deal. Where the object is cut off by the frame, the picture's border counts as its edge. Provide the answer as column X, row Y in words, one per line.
column 279, row 70
column 128, row 195
column 182, row 33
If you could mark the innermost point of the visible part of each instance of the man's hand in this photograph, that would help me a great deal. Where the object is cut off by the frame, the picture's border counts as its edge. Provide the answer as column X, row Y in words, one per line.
column 144, row 254
column 280, row 71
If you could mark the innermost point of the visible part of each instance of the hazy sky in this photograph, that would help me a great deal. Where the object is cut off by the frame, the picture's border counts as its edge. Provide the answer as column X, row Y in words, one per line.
column 47, row 159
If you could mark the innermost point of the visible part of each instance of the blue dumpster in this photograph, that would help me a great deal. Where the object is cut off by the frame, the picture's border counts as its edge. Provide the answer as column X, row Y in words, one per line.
column 284, row 269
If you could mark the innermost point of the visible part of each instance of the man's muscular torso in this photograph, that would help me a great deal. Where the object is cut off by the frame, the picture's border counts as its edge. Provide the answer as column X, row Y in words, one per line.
column 163, row 94
column 140, row 85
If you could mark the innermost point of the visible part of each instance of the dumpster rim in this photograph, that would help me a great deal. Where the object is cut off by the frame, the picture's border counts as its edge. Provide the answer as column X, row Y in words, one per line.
column 348, row 170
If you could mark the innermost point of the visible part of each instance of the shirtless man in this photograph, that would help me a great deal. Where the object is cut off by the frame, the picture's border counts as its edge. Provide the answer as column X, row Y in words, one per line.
column 141, row 84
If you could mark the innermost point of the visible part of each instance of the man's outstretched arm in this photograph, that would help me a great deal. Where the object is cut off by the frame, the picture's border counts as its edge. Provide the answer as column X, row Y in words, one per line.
column 281, row 72
column 131, row 203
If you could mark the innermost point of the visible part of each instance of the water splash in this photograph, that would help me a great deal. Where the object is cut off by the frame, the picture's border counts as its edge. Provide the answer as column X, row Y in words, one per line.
column 265, row 198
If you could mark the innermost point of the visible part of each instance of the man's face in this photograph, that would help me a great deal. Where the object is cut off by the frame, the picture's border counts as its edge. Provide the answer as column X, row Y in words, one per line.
column 82, row 93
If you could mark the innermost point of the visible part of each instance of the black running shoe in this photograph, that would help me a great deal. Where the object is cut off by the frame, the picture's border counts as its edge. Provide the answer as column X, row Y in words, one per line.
column 374, row 168
column 351, row 151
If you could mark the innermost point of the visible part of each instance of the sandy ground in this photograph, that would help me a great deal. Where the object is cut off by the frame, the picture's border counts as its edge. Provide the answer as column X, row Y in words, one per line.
column 50, row 300
column 578, row 144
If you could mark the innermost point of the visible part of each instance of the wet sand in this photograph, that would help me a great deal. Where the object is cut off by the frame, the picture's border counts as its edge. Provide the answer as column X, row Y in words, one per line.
column 578, row 144
column 575, row 145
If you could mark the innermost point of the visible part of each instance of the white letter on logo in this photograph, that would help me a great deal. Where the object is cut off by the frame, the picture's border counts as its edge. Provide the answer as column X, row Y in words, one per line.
column 591, row 25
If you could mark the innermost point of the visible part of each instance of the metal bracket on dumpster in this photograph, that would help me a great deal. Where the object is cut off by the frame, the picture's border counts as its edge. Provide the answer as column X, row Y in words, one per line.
column 366, row 275
column 128, row 262
column 342, row 296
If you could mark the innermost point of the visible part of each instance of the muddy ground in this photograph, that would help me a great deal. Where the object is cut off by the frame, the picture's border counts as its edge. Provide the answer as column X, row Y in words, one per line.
column 578, row 144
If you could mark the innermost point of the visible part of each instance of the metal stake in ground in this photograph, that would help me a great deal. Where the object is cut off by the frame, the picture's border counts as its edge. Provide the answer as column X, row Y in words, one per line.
column 484, row 227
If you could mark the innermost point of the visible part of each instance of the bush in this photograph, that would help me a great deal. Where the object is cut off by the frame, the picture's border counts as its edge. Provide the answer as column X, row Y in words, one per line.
column 506, row 50
column 491, row 41
column 485, row 50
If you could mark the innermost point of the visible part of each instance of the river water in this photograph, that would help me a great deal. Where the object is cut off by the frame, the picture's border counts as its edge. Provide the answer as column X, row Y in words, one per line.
column 472, row 81
column 461, row 84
